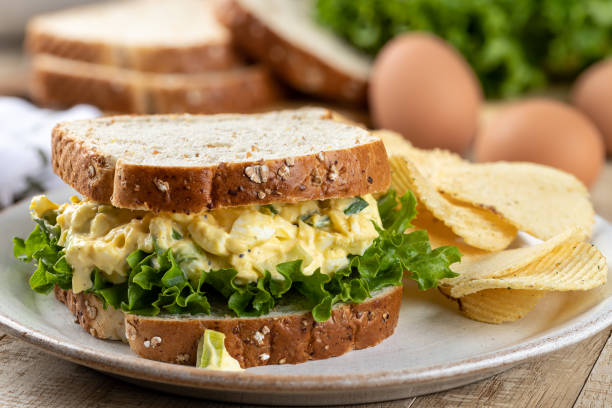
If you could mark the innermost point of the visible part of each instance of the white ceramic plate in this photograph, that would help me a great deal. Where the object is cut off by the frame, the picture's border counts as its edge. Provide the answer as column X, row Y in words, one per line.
column 434, row 348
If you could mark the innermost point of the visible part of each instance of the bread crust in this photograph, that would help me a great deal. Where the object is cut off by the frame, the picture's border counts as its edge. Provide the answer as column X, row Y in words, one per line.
column 107, row 324
column 282, row 339
column 159, row 59
column 349, row 172
column 127, row 91
column 246, row 90
column 295, row 65
column 86, row 170
column 58, row 89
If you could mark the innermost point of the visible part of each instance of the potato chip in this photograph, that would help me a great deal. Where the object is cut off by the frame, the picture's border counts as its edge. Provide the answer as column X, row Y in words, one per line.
column 571, row 266
column 477, row 227
column 536, row 199
column 504, row 286
column 547, row 203
column 428, row 162
column 500, row 264
column 395, row 144
column 441, row 235
column 497, row 305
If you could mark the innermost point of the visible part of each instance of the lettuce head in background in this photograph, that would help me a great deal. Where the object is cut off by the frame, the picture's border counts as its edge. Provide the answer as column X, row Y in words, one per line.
column 513, row 46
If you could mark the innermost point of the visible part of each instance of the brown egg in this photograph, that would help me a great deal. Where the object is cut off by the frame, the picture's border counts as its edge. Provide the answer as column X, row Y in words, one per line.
column 422, row 88
column 592, row 94
column 543, row 131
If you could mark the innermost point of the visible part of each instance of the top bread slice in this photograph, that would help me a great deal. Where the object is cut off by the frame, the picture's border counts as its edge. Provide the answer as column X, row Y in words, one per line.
column 161, row 36
column 190, row 163
column 284, row 35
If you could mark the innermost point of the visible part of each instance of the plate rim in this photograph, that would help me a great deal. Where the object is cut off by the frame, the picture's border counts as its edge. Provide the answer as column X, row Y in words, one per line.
column 139, row 368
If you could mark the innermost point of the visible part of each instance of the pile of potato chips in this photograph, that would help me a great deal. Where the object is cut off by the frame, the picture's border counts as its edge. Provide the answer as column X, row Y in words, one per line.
column 480, row 208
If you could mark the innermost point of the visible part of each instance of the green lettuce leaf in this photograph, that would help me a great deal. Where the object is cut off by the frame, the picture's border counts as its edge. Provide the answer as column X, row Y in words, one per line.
column 111, row 294
column 41, row 246
column 157, row 284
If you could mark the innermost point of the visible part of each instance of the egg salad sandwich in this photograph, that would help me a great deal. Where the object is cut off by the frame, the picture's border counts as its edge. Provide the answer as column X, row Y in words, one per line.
column 277, row 230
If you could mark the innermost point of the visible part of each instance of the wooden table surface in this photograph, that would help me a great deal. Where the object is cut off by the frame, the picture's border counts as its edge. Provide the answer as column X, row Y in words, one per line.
column 578, row 376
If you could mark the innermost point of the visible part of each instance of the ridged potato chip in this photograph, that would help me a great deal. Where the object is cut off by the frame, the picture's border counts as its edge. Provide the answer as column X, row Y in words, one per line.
column 503, row 263
column 477, row 227
column 539, row 200
column 429, row 162
column 441, row 235
column 571, row 266
column 505, row 286
column 395, row 144
column 497, row 305
column 480, row 207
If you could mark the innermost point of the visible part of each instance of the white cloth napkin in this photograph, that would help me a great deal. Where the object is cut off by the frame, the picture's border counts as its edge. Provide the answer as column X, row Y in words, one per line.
column 25, row 146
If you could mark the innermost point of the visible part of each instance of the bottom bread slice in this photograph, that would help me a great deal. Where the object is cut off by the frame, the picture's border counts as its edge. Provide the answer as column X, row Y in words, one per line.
column 284, row 336
column 59, row 82
column 107, row 324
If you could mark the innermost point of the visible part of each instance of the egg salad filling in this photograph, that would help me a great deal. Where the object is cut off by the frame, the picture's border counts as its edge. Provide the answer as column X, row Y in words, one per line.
column 328, row 251
column 251, row 239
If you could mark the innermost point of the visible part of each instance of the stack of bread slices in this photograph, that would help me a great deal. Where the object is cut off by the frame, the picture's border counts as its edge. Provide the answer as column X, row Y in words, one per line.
column 171, row 56
column 143, row 56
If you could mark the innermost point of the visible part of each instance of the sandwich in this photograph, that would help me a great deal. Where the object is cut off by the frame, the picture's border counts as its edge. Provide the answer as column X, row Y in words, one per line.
column 277, row 230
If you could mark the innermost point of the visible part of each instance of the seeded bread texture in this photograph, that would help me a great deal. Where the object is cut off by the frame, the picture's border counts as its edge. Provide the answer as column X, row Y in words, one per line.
column 278, row 338
column 58, row 82
column 190, row 163
column 144, row 35
column 281, row 337
column 107, row 324
column 283, row 35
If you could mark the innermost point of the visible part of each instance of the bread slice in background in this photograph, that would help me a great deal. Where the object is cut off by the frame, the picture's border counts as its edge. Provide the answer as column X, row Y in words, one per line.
column 145, row 35
column 190, row 163
column 284, row 35
column 284, row 336
column 59, row 82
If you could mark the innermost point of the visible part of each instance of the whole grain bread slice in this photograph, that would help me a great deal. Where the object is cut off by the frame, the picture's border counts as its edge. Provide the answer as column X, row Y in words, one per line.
column 58, row 82
column 89, row 311
column 284, row 336
column 190, row 163
column 283, row 35
column 144, row 35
